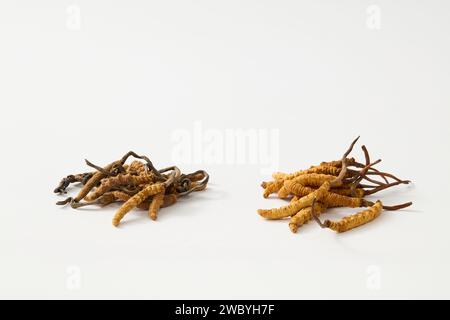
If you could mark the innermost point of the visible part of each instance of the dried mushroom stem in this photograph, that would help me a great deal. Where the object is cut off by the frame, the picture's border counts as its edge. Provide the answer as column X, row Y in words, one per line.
column 72, row 178
column 338, row 181
column 198, row 184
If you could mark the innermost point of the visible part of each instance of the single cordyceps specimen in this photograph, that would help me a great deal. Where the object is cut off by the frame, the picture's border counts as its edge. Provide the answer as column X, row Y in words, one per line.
column 137, row 185
column 331, row 184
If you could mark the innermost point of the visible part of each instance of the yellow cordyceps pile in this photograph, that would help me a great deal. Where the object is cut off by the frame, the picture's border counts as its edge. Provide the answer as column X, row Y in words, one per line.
column 137, row 184
column 332, row 184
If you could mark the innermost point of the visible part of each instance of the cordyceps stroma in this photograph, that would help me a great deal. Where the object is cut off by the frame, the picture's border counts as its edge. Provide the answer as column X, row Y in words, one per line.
column 137, row 185
column 334, row 184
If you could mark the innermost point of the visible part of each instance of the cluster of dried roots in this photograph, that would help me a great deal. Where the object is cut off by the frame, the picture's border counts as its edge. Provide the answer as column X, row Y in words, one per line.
column 341, row 183
column 137, row 185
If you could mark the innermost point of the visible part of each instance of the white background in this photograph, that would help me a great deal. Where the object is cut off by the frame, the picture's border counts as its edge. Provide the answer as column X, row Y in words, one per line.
column 135, row 72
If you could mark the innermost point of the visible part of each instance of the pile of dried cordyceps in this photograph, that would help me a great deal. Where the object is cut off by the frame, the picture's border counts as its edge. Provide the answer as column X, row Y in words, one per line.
column 330, row 185
column 137, row 184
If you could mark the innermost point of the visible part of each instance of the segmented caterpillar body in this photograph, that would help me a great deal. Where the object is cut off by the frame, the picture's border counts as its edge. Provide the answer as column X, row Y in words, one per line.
column 355, row 220
column 271, row 187
column 135, row 200
column 94, row 180
column 300, row 185
column 91, row 183
column 314, row 179
column 322, row 169
column 169, row 199
column 158, row 200
column 338, row 163
column 136, row 167
column 329, row 168
column 305, row 179
column 295, row 206
column 304, row 215
column 333, row 198
column 358, row 192
column 120, row 180
column 296, row 188
column 283, row 193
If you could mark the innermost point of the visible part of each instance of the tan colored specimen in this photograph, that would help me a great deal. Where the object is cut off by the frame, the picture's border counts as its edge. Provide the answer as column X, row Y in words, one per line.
column 354, row 220
column 295, row 188
column 120, row 180
column 303, row 216
column 158, row 200
column 271, row 187
column 330, row 185
column 295, row 206
column 169, row 199
column 137, row 199
column 136, row 167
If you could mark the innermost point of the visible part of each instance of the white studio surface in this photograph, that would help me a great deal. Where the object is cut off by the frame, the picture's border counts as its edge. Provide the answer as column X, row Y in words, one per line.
column 95, row 79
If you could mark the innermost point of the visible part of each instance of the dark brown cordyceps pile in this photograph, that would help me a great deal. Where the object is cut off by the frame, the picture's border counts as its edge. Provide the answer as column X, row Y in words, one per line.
column 330, row 185
column 137, row 185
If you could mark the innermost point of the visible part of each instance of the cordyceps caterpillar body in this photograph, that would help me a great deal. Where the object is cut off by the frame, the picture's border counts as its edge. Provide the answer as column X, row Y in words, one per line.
column 314, row 176
column 313, row 179
column 330, row 168
column 303, row 216
column 291, row 187
column 168, row 200
column 332, row 184
column 137, row 199
column 271, row 187
column 92, row 182
column 322, row 169
column 298, row 186
column 120, row 180
column 295, row 206
column 352, row 221
column 96, row 178
column 136, row 185
column 136, row 167
column 156, row 203
column 112, row 196
column 353, row 192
